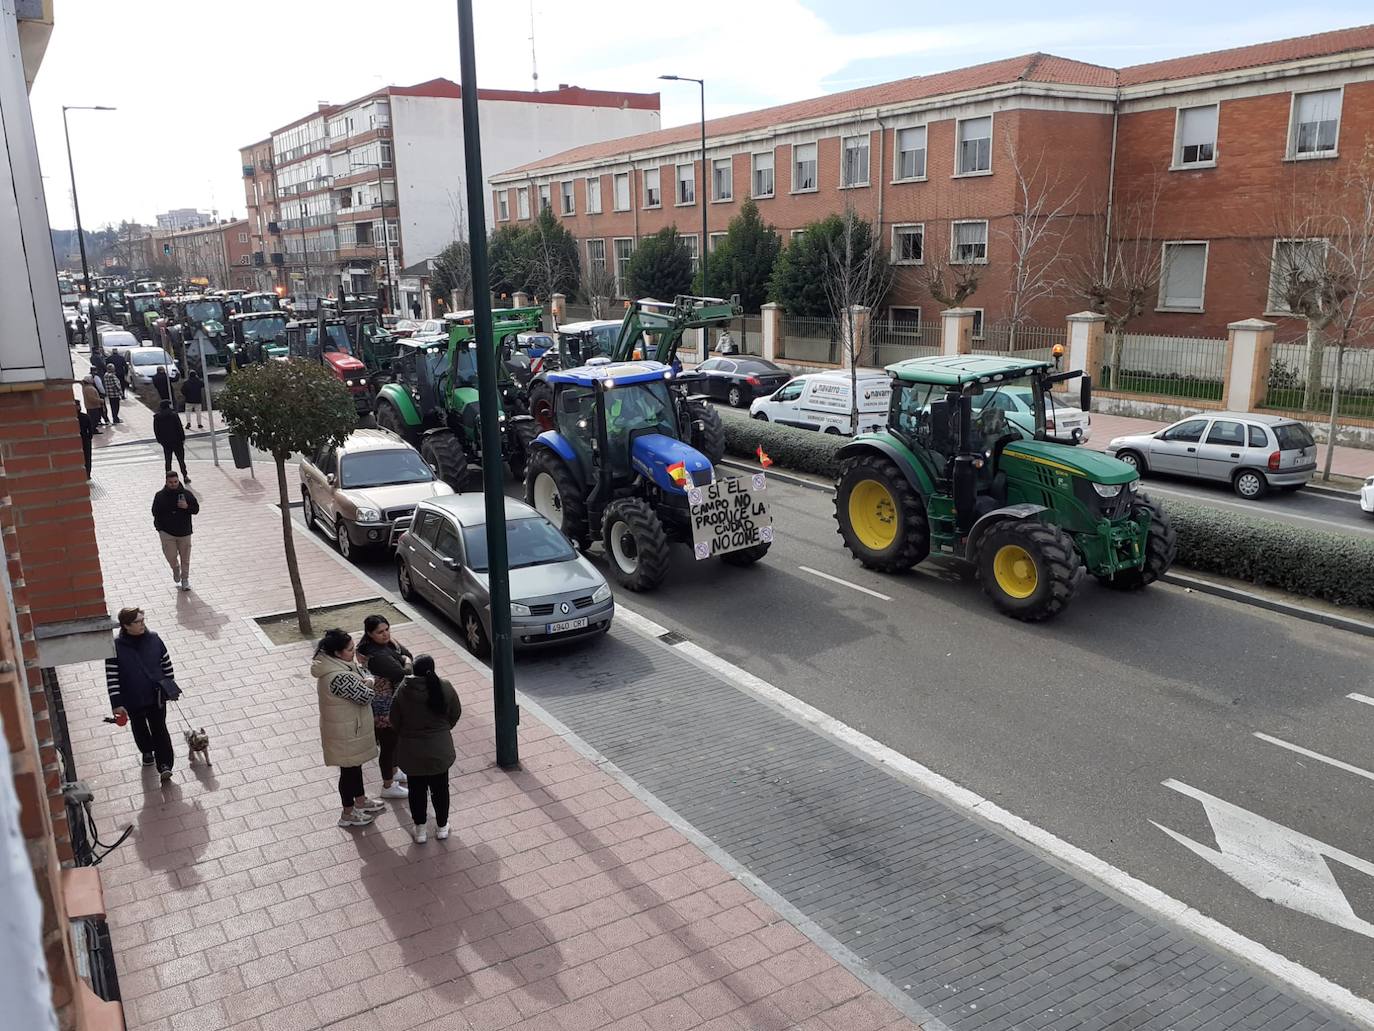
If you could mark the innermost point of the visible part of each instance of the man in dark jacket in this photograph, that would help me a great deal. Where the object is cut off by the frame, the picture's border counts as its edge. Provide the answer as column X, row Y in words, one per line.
column 168, row 432
column 162, row 384
column 193, row 396
column 140, row 661
column 121, row 367
column 173, row 507
column 87, row 428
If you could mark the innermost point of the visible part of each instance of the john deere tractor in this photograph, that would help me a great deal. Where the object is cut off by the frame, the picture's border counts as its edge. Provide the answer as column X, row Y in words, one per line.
column 651, row 330
column 617, row 467
column 431, row 399
column 951, row 476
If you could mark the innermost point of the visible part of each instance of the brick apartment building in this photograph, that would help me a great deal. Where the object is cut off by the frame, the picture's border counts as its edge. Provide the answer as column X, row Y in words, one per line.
column 350, row 194
column 1196, row 151
column 220, row 252
column 53, row 609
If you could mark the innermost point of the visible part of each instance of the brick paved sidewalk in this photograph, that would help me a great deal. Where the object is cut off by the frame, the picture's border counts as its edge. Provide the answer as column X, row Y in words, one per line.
column 560, row 902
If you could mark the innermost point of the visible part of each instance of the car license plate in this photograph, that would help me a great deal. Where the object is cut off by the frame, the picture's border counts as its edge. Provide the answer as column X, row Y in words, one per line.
column 567, row 624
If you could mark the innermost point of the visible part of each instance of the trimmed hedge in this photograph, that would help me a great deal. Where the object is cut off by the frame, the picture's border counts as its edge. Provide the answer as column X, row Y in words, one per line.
column 1338, row 568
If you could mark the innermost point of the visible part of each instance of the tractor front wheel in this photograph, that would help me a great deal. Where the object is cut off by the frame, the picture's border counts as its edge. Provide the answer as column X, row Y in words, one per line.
column 541, row 404
column 522, row 435
column 389, row 418
column 1161, row 547
column 1029, row 570
column 443, row 451
column 708, row 432
column 553, row 492
column 636, row 545
column 882, row 519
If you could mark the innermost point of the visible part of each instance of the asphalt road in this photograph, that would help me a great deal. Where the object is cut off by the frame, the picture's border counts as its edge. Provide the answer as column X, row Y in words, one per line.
column 1077, row 724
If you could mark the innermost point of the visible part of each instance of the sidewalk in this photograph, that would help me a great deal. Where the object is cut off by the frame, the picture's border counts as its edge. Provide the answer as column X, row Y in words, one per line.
column 561, row 901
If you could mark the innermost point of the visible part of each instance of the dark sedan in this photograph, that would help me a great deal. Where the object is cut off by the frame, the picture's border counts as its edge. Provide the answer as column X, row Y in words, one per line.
column 738, row 380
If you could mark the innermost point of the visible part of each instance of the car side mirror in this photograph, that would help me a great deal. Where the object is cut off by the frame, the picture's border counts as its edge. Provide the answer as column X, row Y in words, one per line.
column 330, row 478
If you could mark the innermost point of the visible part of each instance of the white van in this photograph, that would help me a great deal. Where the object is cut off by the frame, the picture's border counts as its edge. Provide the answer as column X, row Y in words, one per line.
column 821, row 401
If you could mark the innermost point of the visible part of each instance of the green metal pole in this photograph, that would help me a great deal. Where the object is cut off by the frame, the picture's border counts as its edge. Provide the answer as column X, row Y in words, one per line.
column 493, row 472
column 706, row 177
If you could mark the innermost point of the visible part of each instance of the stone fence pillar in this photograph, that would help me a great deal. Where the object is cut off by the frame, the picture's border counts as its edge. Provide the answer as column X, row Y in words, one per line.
column 772, row 331
column 558, row 304
column 956, row 331
column 852, row 351
column 1087, row 331
column 1248, row 347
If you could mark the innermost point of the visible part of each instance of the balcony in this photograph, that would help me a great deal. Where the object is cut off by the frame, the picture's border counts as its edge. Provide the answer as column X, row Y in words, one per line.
column 309, row 222
column 316, row 258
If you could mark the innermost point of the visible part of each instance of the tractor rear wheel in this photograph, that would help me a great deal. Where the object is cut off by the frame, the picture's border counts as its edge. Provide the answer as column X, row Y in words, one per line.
column 389, row 418
column 541, row 403
column 444, row 452
column 518, row 443
column 882, row 519
column 708, row 432
column 553, row 492
column 1161, row 547
column 636, row 545
column 1029, row 570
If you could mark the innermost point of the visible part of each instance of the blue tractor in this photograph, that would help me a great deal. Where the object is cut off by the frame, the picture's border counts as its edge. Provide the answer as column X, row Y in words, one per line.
column 615, row 468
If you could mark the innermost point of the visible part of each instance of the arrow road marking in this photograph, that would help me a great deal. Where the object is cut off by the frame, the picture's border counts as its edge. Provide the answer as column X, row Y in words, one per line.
column 1315, row 755
column 1275, row 862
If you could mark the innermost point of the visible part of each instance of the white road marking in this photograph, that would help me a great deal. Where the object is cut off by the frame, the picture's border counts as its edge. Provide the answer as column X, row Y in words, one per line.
column 1316, row 755
column 1361, row 698
column 844, row 583
column 1278, row 864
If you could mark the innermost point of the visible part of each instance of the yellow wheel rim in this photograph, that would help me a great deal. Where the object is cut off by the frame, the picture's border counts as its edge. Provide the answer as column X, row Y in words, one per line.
column 873, row 515
column 1015, row 571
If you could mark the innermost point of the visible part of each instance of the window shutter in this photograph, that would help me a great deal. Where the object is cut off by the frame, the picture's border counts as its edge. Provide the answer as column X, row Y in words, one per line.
column 1199, row 126
column 1319, row 107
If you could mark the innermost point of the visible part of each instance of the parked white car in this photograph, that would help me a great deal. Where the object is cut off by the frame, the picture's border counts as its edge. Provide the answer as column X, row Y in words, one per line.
column 822, row 401
column 145, row 361
column 1061, row 420
column 1367, row 495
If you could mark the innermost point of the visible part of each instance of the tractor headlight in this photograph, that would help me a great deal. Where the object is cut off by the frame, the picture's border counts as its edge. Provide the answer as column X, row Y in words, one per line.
column 369, row 515
column 362, row 381
column 516, row 609
column 1107, row 490
column 1134, row 485
column 348, row 383
column 603, row 593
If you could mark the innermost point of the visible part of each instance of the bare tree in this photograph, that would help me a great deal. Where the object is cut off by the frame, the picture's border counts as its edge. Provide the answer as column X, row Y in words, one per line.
column 454, row 263
column 598, row 284
column 948, row 281
column 548, row 257
column 1036, row 235
column 1119, row 271
column 857, row 274
column 1323, row 271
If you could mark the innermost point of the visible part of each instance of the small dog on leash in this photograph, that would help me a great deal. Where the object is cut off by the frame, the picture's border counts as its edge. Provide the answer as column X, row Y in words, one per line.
column 198, row 743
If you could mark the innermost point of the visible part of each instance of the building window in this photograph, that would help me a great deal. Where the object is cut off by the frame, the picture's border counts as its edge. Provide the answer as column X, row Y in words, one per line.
column 1295, row 263
column 1196, row 135
column 565, row 192
column 653, row 195
column 502, row 205
column 596, row 254
column 910, row 162
column 620, row 191
column 686, row 184
column 974, row 142
column 854, row 161
column 386, row 154
column 969, row 243
column 1182, row 276
column 522, row 202
column 544, row 201
column 908, row 244
column 763, row 175
column 904, row 320
column 722, row 179
column 693, row 248
column 977, row 323
column 716, row 239
column 803, row 167
column 624, row 251
column 1316, row 122
column 594, row 195
column 796, row 234
column 243, row 237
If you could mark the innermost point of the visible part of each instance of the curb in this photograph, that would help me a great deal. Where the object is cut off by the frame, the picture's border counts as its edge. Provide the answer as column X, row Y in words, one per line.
column 1334, row 492
column 1354, row 626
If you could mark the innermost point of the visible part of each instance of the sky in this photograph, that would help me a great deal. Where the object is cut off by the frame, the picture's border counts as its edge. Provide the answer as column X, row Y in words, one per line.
column 194, row 80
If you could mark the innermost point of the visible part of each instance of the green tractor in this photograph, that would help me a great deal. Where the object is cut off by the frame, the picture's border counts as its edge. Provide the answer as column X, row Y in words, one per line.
column 431, row 400
column 650, row 331
column 256, row 336
column 950, row 475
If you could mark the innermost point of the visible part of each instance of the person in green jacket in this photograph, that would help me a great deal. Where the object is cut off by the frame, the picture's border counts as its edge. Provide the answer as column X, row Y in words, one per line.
column 423, row 714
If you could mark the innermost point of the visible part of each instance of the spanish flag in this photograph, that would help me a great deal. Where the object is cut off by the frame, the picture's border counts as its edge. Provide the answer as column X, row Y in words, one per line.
column 678, row 471
column 764, row 460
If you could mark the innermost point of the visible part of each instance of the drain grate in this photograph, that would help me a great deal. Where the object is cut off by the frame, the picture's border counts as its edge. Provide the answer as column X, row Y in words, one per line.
column 672, row 637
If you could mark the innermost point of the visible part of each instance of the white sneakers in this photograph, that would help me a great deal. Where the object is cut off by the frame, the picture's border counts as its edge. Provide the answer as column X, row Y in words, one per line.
column 354, row 818
column 397, row 790
column 441, row 832
column 418, row 833
column 185, row 585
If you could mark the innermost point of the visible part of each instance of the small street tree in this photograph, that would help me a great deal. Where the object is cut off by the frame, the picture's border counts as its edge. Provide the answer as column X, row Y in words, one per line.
column 453, row 274
column 798, row 279
column 661, row 266
column 547, row 255
column 505, row 273
column 285, row 408
column 857, row 274
column 742, row 263
column 598, row 286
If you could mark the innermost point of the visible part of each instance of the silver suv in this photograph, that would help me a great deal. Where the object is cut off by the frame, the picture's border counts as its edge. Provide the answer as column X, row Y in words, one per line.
column 1251, row 452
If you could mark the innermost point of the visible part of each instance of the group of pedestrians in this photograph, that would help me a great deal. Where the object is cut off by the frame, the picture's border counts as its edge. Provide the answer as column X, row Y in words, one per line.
column 377, row 701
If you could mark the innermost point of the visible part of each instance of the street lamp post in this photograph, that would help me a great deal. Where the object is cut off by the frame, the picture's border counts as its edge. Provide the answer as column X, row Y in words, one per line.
column 701, row 186
column 71, row 168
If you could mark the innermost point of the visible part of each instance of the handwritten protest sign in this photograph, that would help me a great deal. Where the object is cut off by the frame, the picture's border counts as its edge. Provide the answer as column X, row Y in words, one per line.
column 730, row 515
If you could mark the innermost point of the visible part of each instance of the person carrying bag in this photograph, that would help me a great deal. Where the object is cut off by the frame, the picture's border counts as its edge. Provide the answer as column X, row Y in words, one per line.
column 141, row 681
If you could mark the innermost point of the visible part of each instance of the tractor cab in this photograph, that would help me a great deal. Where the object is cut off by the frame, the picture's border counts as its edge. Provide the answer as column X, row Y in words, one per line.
column 579, row 342
column 140, row 312
column 258, row 336
column 258, row 302
column 335, row 352
column 373, row 343
column 203, row 324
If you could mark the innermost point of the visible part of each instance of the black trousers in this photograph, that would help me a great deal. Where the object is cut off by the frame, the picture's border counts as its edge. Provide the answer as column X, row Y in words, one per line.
column 150, row 734
column 350, row 784
column 86, row 453
column 434, row 786
column 113, row 400
column 168, row 450
column 386, row 745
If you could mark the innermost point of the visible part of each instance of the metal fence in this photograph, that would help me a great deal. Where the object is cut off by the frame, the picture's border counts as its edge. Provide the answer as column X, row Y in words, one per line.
column 889, row 343
column 810, row 340
column 1031, row 342
column 1292, row 366
column 1187, row 367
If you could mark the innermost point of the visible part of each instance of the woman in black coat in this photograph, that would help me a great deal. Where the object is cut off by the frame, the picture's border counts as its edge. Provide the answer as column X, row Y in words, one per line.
column 140, row 661
column 388, row 661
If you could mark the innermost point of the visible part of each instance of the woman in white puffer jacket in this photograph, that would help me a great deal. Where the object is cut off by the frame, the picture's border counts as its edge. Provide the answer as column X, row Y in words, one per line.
column 346, row 732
